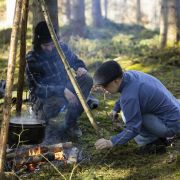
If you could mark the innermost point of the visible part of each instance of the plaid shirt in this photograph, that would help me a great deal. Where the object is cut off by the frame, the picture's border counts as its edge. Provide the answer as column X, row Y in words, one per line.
column 46, row 74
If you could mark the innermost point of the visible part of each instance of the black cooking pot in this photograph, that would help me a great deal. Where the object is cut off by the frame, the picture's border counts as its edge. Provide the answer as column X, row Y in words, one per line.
column 26, row 131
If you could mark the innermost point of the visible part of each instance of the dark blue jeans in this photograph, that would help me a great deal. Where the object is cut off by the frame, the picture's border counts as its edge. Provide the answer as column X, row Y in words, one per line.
column 50, row 107
column 154, row 128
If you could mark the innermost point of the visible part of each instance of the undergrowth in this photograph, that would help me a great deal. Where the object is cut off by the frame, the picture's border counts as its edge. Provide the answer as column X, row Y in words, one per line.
column 135, row 48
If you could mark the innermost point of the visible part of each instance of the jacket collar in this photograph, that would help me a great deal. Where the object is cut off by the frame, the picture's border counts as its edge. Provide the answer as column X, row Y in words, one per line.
column 125, row 80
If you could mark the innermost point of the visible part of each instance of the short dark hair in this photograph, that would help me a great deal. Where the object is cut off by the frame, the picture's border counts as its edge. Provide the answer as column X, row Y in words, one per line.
column 107, row 72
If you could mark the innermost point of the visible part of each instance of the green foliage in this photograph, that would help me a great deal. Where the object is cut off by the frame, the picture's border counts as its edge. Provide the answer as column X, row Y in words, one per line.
column 134, row 47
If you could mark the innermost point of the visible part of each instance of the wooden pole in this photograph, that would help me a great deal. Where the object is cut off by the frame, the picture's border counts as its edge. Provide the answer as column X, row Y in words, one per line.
column 22, row 61
column 9, row 84
column 67, row 66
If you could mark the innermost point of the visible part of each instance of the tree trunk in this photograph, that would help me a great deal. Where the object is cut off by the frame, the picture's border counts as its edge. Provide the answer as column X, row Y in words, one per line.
column 96, row 13
column 178, row 17
column 78, row 17
column 68, row 11
column 106, row 9
column 22, row 62
column 163, row 23
column 9, row 83
column 169, row 23
column 64, row 12
column 154, row 17
column 138, row 12
column 37, row 13
column 53, row 12
column 172, row 32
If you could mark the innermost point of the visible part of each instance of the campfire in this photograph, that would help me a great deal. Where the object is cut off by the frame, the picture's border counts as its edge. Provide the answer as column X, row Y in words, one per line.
column 29, row 158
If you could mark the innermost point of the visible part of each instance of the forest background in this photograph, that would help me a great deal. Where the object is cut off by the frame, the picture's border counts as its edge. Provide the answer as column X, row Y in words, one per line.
column 139, row 34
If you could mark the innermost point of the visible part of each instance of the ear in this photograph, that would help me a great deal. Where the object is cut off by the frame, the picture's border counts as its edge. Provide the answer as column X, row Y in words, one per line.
column 117, row 80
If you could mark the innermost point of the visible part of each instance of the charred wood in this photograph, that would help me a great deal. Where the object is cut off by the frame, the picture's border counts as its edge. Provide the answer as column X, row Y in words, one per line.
column 21, row 152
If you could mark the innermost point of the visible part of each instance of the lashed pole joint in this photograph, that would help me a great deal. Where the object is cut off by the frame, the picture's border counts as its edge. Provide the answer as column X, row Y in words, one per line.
column 67, row 66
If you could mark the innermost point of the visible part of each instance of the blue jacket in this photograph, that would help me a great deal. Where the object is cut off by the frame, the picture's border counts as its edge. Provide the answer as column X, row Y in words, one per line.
column 144, row 94
column 46, row 74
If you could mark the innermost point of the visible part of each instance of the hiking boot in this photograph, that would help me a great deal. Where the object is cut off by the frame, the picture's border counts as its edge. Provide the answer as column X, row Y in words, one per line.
column 92, row 102
column 156, row 147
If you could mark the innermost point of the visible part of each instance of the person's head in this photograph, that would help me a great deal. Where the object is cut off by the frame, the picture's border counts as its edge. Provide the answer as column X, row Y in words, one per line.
column 109, row 76
column 42, row 37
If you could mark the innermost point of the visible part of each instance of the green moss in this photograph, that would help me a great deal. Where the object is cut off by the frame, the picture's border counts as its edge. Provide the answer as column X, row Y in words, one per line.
column 135, row 48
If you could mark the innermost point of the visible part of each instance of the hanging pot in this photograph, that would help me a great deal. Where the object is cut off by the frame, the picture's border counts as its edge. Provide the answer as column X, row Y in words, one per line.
column 26, row 131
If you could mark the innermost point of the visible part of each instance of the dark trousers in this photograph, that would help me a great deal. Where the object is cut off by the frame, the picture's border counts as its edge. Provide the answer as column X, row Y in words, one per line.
column 50, row 107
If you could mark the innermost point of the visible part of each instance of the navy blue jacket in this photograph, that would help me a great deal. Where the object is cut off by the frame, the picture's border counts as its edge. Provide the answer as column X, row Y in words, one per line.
column 144, row 94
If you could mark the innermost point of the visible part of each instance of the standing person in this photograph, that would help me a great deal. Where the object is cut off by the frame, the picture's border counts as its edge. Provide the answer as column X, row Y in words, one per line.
column 50, row 87
column 151, row 112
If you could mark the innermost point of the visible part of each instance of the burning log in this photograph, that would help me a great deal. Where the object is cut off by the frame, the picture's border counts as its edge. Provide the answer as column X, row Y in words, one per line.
column 37, row 158
column 38, row 150
column 31, row 158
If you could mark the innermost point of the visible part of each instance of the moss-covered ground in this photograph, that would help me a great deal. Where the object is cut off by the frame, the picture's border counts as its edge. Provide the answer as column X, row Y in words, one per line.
column 134, row 48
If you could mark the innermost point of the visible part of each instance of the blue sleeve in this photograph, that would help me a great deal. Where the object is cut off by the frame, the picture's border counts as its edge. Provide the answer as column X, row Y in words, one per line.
column 34, row 81
column 117, row 106
column 132, row 113
column 73, row 60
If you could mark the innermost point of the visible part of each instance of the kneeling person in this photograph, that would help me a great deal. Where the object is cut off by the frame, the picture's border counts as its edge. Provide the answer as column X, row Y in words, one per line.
column 151, row 112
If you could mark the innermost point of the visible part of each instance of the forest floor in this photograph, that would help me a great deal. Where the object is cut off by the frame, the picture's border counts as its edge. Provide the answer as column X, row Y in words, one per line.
column 134, row 48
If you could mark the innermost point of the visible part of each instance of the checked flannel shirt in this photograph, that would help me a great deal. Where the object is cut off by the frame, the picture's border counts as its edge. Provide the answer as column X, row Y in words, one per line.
column 46, row 74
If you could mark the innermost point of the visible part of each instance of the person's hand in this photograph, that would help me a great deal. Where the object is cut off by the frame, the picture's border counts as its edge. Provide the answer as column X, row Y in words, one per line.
column 114, row 115
column 103, row 144
column 116, row 122
column 81, row 71
column 71, row 98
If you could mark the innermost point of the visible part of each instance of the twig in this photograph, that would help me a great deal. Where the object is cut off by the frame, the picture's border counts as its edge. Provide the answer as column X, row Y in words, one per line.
column 74, row 169
column 53, row 166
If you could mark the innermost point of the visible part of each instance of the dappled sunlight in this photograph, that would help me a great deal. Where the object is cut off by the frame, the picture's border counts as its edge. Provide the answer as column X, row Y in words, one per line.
column 143, row 68
column 134, row 47
column 122, row 38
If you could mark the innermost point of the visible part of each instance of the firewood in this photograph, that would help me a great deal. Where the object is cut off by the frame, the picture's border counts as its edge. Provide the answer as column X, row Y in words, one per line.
column 44, row 149
column 63, row 145
column 34, row 159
